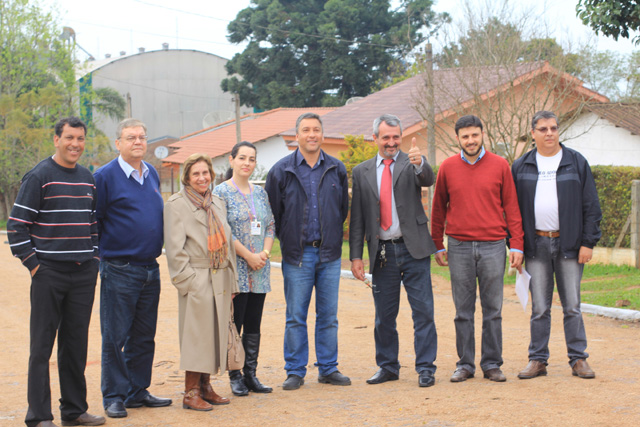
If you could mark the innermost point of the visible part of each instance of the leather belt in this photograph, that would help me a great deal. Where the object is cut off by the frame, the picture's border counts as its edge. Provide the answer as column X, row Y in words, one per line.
column 550, row 234
column 315, row 243
column 394, row 241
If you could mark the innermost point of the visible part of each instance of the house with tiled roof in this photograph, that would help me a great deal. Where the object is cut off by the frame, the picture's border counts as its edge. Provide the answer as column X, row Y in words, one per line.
column 607, row 134
column 457, row 91
column 262, row 129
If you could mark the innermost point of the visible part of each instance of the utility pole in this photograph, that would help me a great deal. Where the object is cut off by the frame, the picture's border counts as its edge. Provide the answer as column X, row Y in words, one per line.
column 236, row 100
column 431, row 117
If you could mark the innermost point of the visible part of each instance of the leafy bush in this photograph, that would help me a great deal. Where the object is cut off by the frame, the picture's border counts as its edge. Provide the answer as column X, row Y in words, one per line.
column 614, row 191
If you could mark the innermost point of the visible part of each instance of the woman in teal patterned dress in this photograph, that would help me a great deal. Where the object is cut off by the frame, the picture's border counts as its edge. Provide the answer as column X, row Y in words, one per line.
column 253, row 228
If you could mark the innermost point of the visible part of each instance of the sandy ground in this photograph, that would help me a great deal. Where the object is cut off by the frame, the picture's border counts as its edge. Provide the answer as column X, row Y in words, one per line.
column 613, row 398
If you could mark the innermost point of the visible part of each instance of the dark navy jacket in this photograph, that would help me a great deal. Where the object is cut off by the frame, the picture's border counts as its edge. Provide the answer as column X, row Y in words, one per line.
column 288, row 201
column 578, row 205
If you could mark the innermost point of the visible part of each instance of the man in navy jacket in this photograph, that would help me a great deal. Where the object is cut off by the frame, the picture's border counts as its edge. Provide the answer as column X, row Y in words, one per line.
column 561, row 221
column 308, row 192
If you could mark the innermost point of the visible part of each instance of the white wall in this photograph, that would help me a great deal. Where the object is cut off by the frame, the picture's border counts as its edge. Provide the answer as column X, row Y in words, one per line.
column 602, row 143
column 269, row 152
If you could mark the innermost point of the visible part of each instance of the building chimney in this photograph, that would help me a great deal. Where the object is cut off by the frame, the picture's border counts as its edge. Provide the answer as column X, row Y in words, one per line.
column 165, row 46
column 107, row 55
column 123, row 53
column 140, row 50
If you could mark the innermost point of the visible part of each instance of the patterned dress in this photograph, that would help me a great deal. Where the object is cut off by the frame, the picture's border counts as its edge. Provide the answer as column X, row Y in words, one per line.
column 239, row 215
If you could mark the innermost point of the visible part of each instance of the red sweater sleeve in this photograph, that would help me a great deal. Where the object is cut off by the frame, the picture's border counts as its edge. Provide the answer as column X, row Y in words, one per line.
column 512, row 210
column 439, row 210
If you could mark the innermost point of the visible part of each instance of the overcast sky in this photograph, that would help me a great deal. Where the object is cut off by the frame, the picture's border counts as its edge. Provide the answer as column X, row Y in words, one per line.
column 112, row 26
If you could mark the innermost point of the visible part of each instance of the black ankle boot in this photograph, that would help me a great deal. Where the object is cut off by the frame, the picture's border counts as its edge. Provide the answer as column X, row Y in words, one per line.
column 238, row 387
column 251, row 343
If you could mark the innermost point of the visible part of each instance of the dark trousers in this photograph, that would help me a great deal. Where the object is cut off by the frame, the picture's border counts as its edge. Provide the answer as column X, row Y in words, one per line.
column 129, row 297
column 415, row 274
column 247, row 312
column 61, row 302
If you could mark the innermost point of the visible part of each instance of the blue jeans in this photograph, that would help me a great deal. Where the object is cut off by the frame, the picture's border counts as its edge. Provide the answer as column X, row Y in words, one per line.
column 299, row 281
column 129, row 297
column 415, row 274
column 568, row 273
column 484, row 261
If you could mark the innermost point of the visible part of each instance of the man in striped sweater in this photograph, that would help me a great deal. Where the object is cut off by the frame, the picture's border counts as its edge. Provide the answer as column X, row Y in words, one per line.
column 52, row 229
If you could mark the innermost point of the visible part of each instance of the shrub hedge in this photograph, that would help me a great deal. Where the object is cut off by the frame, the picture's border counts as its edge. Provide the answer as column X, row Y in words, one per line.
column 614, row 191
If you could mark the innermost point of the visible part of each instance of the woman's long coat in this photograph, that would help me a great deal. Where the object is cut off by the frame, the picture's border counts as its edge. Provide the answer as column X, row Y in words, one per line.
column 204, row 295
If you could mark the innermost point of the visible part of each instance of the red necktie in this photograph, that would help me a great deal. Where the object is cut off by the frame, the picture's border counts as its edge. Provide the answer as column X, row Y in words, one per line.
column 385, row 195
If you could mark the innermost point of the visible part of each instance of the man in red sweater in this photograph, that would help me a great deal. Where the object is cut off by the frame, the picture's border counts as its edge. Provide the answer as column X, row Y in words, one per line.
column 476, row 198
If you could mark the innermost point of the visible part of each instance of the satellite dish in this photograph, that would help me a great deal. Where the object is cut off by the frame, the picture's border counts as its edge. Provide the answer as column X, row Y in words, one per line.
column 161, row 152
column 213, row 118
column 352, row 100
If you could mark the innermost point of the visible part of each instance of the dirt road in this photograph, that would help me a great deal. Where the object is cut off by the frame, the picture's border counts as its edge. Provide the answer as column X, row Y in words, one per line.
column 559, row 399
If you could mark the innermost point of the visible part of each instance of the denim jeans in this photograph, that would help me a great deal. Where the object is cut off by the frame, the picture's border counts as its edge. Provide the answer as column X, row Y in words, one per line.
column 299, row 281
column 568, row 273
column 415, row 274
column 484, row 261
column 61, row 302
column 129, row 297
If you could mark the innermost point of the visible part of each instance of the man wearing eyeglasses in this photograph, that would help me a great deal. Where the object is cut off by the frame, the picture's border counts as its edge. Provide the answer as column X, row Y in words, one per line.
column 561, row 220
column 129, row 214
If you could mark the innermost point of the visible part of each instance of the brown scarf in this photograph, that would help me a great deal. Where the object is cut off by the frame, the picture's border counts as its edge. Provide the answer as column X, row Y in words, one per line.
column 216, row 239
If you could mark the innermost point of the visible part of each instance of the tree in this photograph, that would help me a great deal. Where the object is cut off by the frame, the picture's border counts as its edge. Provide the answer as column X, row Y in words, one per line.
column 37, row 85
column 615, row 18
column 304, row 53
column 498, row 68
column 611, row 73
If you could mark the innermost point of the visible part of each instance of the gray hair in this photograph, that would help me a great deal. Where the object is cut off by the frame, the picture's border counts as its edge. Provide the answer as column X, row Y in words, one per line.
column 129, row 123
column 544, row 114
column 308, row 116
column 389, row 119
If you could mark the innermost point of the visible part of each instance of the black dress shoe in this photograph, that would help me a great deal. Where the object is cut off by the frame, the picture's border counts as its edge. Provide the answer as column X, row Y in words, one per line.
column 293, row 382
column 382, row 376
column 334, row 378
column 426, row 379
column 116, row 410
column 150, row 402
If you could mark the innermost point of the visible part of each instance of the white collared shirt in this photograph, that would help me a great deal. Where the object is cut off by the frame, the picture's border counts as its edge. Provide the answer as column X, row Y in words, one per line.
column 131, row 171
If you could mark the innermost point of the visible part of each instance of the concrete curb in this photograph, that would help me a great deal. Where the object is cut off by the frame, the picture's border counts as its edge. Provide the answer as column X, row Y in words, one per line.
column 616, row 313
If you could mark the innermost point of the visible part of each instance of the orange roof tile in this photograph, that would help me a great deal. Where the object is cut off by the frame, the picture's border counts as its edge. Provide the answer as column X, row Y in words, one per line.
column 623, row 115
column 220, row 139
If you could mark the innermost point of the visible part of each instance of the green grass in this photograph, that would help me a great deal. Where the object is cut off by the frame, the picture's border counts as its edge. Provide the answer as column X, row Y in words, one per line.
column 3, row 225
column 601, row 284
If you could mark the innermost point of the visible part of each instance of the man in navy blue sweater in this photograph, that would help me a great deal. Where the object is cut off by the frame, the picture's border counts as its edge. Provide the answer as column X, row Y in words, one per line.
column 52, row 229
column 129, row 213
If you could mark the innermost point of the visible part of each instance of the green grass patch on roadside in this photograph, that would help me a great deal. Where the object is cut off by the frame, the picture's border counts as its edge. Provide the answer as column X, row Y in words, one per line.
column 3, row 225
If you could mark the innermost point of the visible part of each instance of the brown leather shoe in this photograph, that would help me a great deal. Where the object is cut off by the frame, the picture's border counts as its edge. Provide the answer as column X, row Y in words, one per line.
column 495, row 374
column 85, row 419
column 192, row 399
column 532, row 370
column 581, row 369
column 207, row 393
column 460, row 375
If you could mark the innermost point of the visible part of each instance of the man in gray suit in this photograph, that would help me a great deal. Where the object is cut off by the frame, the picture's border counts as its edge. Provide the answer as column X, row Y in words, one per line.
column 387, row 212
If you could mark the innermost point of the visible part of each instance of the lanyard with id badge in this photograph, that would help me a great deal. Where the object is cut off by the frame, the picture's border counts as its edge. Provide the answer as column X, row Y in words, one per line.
column 256, row 226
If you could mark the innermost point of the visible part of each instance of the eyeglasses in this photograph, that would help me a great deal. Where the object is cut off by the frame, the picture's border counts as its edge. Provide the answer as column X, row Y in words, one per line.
column 132, row 138
column 553, row 129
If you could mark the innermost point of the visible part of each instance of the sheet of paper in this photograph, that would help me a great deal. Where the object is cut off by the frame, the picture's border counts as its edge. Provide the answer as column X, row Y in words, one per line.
column 522, row 287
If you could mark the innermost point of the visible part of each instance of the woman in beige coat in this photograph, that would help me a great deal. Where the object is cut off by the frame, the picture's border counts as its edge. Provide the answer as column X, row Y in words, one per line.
column 202, row 263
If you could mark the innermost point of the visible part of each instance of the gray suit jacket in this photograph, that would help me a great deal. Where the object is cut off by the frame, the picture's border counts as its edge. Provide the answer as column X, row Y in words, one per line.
column 407, row 191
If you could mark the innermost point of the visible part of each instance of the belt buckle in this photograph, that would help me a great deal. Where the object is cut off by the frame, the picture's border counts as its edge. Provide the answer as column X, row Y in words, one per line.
column 550, row 234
